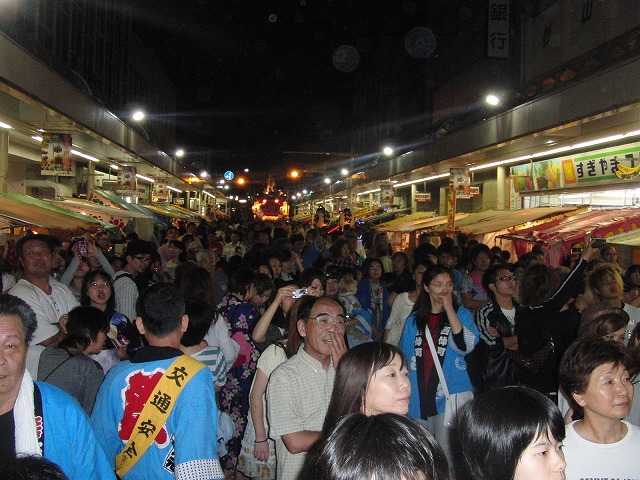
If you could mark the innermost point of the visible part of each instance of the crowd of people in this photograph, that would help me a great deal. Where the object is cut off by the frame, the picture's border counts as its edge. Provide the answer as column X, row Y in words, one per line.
column 259, row 352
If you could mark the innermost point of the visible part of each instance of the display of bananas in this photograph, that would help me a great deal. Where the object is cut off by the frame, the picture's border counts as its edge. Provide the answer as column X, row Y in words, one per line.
column 627, row 173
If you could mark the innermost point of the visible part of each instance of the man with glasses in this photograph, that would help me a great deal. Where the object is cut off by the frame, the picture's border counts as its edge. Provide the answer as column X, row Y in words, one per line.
column 490, row 365
column 300, row 389
column 49, row 299
column 138, row 258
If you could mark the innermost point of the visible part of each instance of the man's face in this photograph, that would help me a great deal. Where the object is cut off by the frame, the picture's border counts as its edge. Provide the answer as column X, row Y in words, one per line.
column 234, row 238
column 139, row 263
column 191, row 228
column 318, row 338
column 13, row 360
column 36, row 259
column 505, row 284
column 103, row 241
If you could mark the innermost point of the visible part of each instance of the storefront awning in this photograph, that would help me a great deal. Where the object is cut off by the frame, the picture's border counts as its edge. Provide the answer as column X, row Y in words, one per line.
column 23, row 210
column 405, row 220
column 598, row 223
column 496, row 220
column 169, row 213
column 120, row 217
column 630, row 239
column 110, row 199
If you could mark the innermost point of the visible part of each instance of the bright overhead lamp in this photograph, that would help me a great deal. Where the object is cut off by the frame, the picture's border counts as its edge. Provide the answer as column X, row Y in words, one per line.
column 173, row 189
column 425, row 179
column 142, row 177
column 208, row 194
column 179, row 153
column 369, row 191
column 138, row 115
column 327, row 180
column 204, row 174
column 5, row 125
column 84, row 155
column 344, row 171
column 492, row 99
column 388, row 151
column 37, row 138
column 114, row 167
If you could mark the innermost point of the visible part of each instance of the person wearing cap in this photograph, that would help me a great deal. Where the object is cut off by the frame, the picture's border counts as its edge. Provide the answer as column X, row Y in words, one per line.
column 49, row 299
column 137, row 257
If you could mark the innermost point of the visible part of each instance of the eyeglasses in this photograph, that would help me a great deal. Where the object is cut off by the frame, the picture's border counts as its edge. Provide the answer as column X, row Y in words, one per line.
column 324, row 320
column 507, row 278
column 142, row 259
column 441, row 285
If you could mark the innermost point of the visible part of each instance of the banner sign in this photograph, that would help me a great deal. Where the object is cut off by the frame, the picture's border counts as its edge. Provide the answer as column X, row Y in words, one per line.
column 421, row 197
column 460, row 181
column 616, row 164
column 56, row 154
column 160, row 193
column 127, row 181
column 498, row 29
column 386, row 193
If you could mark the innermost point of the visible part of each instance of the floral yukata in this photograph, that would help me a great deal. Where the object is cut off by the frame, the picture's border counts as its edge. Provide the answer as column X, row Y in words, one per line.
column 242, row 316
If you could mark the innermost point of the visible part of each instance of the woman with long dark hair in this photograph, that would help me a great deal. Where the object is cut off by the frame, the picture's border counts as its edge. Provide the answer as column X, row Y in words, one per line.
column 372, row 378
column 453, row 334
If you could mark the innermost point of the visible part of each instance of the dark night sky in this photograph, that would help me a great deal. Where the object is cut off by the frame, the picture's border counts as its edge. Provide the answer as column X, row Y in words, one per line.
column 257, row 78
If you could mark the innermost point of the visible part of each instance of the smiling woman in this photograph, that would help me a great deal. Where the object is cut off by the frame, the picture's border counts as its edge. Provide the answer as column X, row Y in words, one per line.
column 594, row 371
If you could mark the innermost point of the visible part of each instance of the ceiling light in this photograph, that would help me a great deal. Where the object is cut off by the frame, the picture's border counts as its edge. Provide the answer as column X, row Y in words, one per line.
column 207, row 193
column 204, row 174
column 37, row 138
column 344, row 171
column 492, row 99
column 84, row 155
column 144, row 178
column 5, row 125
column 425, row 179
column 369, row 191
column 327, row 180
column 114, row 167
column 388, row 151
column 180, row 153
column 173, row 189
column 138, row 115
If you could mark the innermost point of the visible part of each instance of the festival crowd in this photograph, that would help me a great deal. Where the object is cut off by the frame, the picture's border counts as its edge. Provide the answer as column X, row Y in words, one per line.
column 266, row 351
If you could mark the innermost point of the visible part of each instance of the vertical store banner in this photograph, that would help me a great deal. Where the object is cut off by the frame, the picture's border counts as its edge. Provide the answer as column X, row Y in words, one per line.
column 498, row 29
column 460, row 180
column 386, row 193
column 127, row 181
column 56, row 154
column 160, row 193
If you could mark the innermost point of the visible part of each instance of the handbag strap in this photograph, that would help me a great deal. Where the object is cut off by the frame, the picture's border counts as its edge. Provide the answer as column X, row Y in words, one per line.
column 156, row 410
column 436, row 362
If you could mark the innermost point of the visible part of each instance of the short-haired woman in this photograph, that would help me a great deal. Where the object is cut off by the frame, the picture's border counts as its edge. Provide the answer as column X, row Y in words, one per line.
column 601, row 445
